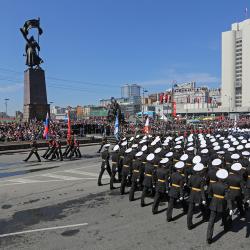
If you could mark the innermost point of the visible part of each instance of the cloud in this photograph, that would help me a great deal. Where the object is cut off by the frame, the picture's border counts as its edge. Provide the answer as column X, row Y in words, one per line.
column 11, row 88
column 173, row 75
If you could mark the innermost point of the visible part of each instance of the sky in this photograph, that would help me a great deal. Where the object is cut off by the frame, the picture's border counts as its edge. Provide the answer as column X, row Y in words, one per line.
column 91, row 48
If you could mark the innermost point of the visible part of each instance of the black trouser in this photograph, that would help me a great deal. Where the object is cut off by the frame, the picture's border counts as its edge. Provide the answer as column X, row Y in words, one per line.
column 210, row 228
column 157, row 199
column 123, row 183
column 115, row 170
column 58, row 153
column 101, row 147
column 46, row 152
column 66, row 150
column 190, row 213
column 145, row 191
column 134, row 187
column 35, row 153
column 171, row 206
column 102, row 171
column 50, row 152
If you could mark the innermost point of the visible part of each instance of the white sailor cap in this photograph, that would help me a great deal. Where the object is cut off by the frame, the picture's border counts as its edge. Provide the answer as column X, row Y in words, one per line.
column 165, row 143
column 231, row 149
column 190, row 144
column 142, row 141
column 137, row 136
column 131, row 139
column 153, row 143
column 233, row 139
column 139, row 154
column 177, row 147
column 221, row 152
column 184, row 157
column 177, row 139
column 124, row 143
column 196, row 159
column 244, row 141
column 178, row 143
column 144, row 137
column 236, row 166
column 204, row 151
column 158, row 150
column 226, row 146
column 150, row 157
column 213, row 140
column 208, row 135
column 144, row 148
column 134, row 146
column 221, row 138
column 107, row 145
column 198, row 167
column 203, row 146
column 240, row 147
column 190, row 149
column 226, row 141
column 179, row 164
column 128, row 150
column 247, row 145
column 217, row 136
column 164, row 160
column 235, row 156
column 245, row 153
column 236, row 143
column 169, row 154
column 222, row 174
column 216, row 162
column 116, row 147
column 215, row 144
column 216, row 148
column 241, row 137
column 190, row 139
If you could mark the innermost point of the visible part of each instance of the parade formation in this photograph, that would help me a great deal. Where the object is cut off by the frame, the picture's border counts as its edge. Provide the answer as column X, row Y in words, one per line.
column 208, row 170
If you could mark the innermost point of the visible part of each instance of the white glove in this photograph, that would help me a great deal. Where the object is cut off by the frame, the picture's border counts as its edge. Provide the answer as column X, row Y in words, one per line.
column 204, row 202
column 181, row 198
column 231, row 212
column 248, row 201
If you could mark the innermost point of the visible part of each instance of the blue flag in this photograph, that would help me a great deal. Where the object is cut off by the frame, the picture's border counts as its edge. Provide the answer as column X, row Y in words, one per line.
column 116, row 132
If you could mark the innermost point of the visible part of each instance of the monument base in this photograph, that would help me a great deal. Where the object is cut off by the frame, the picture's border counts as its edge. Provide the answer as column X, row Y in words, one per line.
column 35, row 111
column 35, row 95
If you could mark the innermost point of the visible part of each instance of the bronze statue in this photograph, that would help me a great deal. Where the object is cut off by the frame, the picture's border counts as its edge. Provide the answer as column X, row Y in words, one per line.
column 114, row 110
column 32, row 47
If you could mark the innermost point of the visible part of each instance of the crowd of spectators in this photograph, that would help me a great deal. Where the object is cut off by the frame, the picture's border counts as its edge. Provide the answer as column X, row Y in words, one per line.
column 22, row 131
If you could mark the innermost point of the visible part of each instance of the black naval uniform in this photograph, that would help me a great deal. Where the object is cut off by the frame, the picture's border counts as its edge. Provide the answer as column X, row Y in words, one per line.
column 126, row 170
column 218, row 206
column 136, row 165
column 162, row 174
column 105, row 165
column 115, row 167
column 148, row 181
column 197, row 195
column 175, row 192
column 34, row 149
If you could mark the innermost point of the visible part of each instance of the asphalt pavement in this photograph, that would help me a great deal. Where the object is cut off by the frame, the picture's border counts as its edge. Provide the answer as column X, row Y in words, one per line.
column 58, row 205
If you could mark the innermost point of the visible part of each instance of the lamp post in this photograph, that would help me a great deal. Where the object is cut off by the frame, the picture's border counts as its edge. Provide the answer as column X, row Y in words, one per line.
column 6, row 105
column 143, row 99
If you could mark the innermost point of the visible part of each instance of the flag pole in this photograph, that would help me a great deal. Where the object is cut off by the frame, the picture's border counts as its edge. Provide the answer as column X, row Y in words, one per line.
column 38, row 35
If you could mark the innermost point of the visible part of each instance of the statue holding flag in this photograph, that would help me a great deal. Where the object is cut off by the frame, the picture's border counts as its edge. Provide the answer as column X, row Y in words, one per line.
column 32, row 47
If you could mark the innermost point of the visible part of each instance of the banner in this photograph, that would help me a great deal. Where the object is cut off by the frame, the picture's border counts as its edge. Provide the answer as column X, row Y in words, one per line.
column 174, row 109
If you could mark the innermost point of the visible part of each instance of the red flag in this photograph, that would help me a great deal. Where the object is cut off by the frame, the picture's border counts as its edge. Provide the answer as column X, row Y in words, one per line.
column 146, row 127
column 174, row 109
column 69, row 124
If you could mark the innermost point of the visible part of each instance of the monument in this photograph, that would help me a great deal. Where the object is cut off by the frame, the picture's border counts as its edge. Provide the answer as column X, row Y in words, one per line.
column 35, row 95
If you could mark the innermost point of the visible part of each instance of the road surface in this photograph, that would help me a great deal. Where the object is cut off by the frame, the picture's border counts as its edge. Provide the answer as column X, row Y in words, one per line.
column 58, row 205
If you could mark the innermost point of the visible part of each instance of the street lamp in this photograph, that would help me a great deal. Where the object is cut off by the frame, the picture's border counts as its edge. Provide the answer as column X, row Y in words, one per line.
column 6, row 105
column 143, row 100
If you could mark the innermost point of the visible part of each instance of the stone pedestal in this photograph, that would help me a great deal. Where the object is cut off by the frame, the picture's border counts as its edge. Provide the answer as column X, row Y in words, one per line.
column 35, row 95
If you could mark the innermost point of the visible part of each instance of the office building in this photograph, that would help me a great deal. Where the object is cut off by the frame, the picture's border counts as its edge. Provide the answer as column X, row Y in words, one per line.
column 235, row 67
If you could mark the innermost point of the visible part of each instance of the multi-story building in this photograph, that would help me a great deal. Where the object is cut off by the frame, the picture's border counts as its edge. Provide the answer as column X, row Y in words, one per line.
column 235, row 66
column 130, row 90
